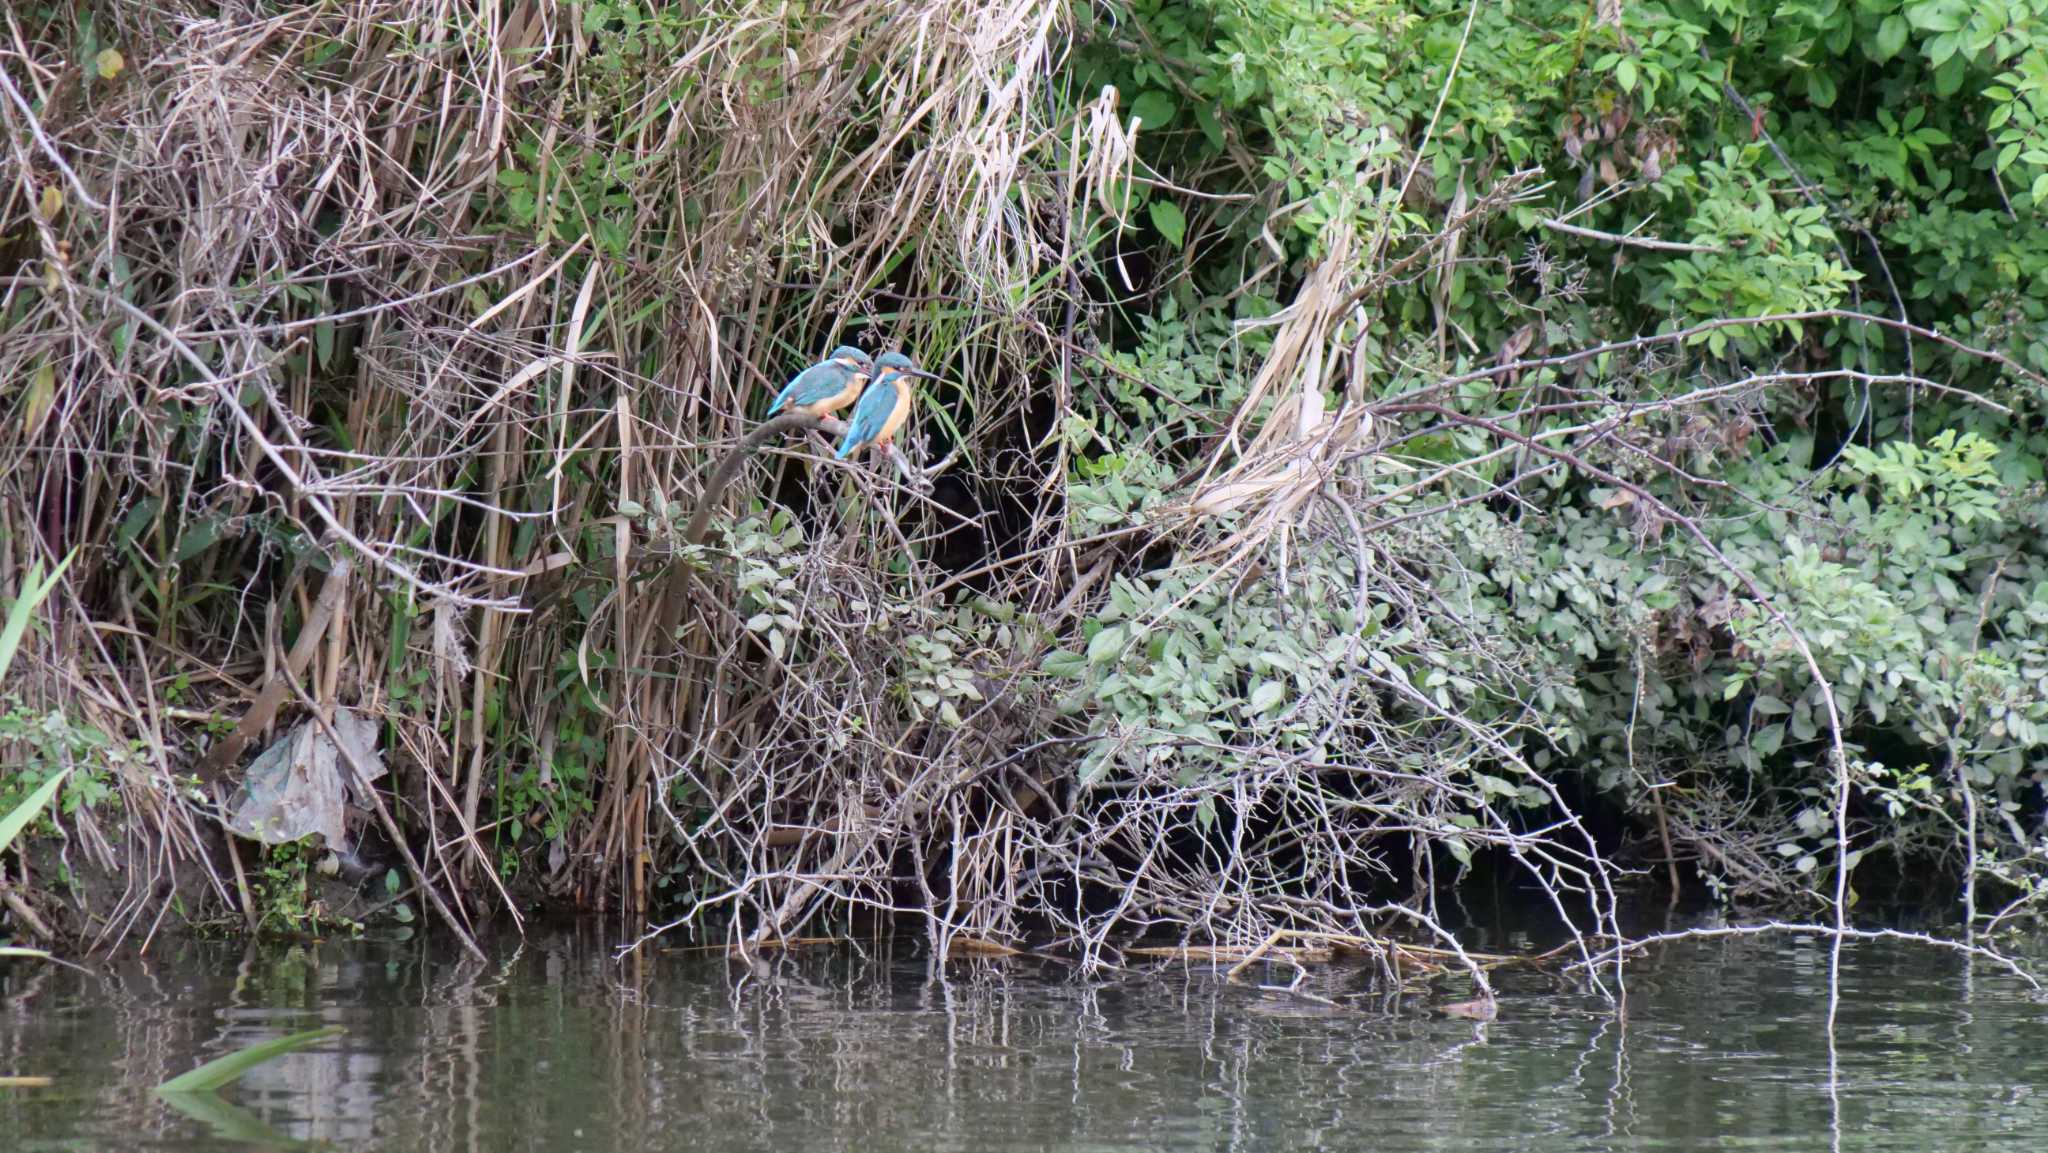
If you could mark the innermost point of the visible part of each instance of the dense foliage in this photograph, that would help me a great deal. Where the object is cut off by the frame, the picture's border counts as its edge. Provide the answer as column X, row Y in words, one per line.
column 1885, row 492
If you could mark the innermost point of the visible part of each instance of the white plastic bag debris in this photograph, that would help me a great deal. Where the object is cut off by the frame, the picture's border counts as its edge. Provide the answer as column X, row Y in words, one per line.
column 300, row 784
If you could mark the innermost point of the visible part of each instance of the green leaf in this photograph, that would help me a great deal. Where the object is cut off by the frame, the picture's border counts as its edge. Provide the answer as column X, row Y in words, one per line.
column 1106, row 645
column 1155, row 108
column 1212, row 128
column 1948, row 79
column 1938, row 15
column 1061, row 663
column 1820, row 88
column 1891, row 38
column 198, row 538
column 1942, row 48
column 2041, row 189
column 34, row 589
column 230, row 1122
column 225, row 1070
column 1167, row 218
column 1768, row 740
column 1267, row 695
column 13, row 823
column 1625, row 74
column 1492, row 786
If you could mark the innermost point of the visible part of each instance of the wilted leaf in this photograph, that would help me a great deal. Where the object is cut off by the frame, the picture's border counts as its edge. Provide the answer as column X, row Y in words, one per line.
column 42, row 389
column 1516, row 344
column 1479, row 1009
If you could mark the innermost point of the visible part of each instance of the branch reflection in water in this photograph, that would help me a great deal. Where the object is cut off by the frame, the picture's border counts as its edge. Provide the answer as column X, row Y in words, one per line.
column 554, row 1046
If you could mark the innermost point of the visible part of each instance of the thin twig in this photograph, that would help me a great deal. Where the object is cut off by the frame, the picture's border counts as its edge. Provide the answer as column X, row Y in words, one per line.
column 1625, row 239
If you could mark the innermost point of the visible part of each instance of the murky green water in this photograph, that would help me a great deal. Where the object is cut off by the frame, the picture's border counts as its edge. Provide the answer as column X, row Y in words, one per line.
column 553, row 1047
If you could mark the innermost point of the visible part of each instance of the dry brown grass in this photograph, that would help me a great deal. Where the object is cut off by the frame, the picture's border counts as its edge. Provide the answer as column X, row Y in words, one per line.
column 283, row 309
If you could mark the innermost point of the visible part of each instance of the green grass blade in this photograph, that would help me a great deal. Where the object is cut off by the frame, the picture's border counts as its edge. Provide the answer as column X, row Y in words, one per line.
column 231, row 1122
column 23, row 951
column 34, row 588
column 13, row 823
column 217, row 1073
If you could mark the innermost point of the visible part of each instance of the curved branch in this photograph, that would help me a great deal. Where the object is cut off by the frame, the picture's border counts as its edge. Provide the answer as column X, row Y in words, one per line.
column 729, row 465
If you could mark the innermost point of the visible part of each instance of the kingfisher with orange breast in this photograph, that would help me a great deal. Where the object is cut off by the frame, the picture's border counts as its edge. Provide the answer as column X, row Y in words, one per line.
column 827, row 386
column 883, row 408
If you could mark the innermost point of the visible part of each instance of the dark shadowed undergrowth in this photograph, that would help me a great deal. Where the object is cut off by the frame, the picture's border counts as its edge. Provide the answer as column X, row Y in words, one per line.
column 1369, row 439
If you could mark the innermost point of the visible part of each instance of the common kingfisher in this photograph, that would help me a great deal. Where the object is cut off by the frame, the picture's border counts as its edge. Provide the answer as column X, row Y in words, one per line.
column 827, row 386
column 883, row 407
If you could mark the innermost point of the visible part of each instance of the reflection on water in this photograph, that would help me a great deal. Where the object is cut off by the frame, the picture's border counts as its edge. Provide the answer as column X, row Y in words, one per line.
column 554, row 1047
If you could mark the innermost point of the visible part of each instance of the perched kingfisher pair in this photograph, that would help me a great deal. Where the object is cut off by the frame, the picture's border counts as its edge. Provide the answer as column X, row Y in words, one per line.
column 833, row 383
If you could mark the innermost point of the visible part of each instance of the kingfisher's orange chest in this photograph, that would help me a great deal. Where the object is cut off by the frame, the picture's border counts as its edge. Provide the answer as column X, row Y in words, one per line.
column 854, row 383
column 898, row 414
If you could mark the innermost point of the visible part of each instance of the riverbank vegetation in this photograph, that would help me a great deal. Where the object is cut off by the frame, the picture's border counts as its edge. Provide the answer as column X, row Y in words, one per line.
column 1596, row 442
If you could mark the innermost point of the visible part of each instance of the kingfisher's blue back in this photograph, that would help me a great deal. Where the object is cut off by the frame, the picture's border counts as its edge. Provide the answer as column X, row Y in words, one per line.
column 870, row 415
column 826, row 386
